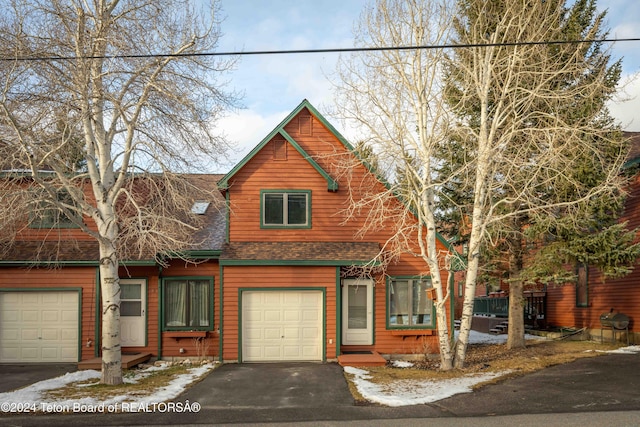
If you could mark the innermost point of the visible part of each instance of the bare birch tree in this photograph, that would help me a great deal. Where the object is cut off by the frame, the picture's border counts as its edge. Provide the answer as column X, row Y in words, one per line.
column 395, row 96
column 522, row 128
column 529, row 115
column 100, row 102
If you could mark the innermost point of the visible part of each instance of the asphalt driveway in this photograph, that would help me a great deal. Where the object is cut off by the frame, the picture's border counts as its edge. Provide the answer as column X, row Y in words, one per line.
column 18, row 376
column 271, row 386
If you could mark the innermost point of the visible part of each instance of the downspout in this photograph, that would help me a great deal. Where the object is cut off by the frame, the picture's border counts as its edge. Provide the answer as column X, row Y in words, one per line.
column 160, row 311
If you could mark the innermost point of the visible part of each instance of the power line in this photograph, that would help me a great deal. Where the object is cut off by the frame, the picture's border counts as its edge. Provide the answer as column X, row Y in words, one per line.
column 312, row 51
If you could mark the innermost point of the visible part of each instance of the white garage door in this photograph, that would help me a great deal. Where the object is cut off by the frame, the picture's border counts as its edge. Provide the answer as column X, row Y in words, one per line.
column 38, row 327
column 281, row 326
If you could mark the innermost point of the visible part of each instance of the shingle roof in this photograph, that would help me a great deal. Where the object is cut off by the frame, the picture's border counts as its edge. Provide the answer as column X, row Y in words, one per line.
column 634, row 143
column 214, row 232
column 339, row 252
column 51, row 252
column 210, row 237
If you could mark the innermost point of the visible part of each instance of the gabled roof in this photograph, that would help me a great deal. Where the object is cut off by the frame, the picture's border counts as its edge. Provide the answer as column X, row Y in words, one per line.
column 332, row 184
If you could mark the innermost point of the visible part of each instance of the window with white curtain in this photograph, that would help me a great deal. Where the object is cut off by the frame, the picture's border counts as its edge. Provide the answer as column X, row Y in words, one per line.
column 187, row 303
column 408, row 304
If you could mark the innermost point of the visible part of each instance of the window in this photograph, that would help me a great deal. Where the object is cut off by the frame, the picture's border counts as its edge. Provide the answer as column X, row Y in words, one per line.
column 409, row 304
column 130, row 300
column 582, row 286
column 48, row 215
column 187, row 303
column 286, row 209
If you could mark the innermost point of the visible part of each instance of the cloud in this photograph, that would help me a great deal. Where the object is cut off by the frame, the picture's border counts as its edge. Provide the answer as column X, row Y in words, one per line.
column 626, row 107
column 246, row 129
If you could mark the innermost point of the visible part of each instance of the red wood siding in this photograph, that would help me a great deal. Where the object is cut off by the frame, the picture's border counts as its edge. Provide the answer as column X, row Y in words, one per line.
column 623, row 294
column 263, row 172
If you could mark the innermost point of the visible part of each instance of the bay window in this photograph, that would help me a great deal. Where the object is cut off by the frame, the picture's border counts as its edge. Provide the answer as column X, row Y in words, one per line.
column 408, row 304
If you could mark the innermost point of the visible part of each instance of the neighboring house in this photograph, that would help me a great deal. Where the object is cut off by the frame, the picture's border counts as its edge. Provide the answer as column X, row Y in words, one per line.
column 279, row 276
column 581, row 305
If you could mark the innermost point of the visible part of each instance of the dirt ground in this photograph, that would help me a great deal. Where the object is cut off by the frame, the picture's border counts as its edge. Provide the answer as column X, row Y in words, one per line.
column 538, row 354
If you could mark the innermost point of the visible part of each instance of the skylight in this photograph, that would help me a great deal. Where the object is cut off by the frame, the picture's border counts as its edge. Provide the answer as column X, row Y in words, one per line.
column 200, row 207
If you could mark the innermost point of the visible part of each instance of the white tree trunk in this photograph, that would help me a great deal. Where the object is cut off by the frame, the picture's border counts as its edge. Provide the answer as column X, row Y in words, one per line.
column 110, row 292
column 469, row 296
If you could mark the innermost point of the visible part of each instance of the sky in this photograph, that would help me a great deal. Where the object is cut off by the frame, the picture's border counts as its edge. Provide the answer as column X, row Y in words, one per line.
column 273, row 85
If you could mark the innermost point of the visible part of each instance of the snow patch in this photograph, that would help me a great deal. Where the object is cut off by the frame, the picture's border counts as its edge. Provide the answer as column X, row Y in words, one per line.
column 401, row 364
column 413, row 392
column 35, row 394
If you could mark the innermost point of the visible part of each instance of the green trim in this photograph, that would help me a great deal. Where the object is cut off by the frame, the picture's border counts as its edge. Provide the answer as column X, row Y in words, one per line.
column 285, row 226
column 458, row 263
column 49, row 263
column 96, row 331
column 227, row 198
column 79, row 324
column 332, row 185
column 59, row 289
column 201, row 254
column 631, row 163
column 280, row 289
column 269, row 262
column 220, row 325
column 160, row 311
column 338, row 312
column 407, row 327
column 18, row 263
column 211, row 280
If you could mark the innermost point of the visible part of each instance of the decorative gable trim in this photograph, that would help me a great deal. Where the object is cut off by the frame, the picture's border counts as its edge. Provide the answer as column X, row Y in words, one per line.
column 332, row 184
column 459, row 263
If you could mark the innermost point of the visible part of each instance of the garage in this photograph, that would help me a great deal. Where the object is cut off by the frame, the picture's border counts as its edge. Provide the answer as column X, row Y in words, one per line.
column 39, row 327
column 282, row 326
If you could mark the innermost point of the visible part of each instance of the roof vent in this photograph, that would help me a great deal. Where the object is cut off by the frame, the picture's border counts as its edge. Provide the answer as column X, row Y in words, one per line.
column 200, row 207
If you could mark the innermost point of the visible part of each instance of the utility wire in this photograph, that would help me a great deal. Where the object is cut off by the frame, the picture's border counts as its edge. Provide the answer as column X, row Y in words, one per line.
column 311, row 51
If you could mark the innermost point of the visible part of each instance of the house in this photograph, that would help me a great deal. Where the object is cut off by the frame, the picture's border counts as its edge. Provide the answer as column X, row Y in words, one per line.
column 582, row 305
column 579, row 306
column 279, row 276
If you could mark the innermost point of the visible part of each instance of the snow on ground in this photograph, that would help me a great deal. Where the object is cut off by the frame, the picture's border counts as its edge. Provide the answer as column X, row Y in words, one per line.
column 399, row 393
column 33, row 398
column 414, row 392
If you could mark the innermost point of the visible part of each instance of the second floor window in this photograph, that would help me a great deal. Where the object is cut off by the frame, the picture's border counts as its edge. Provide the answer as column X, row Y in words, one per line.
column 286, row 209
column 48, row 215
